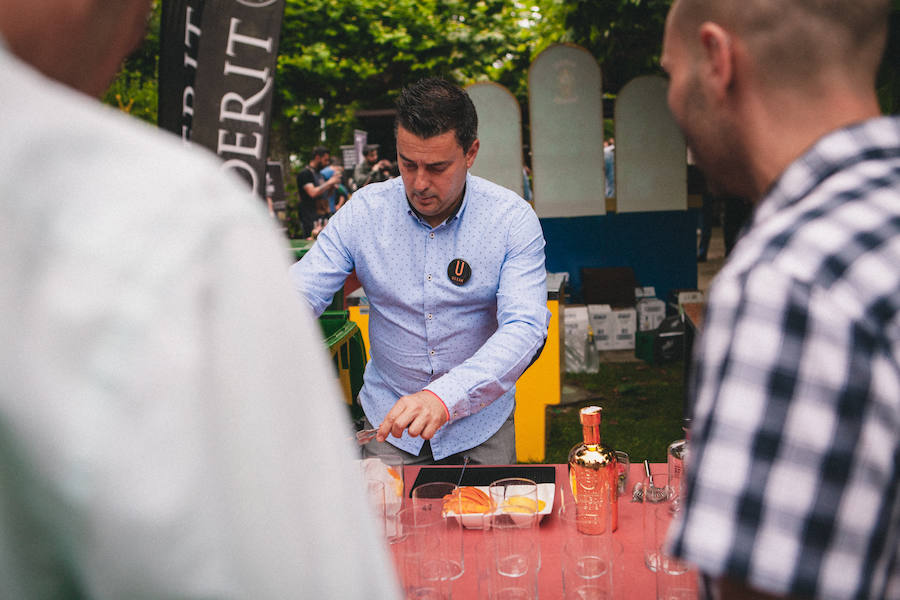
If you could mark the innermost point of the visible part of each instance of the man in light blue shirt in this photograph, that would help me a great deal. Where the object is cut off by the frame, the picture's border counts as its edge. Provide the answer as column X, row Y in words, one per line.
column 453, row 267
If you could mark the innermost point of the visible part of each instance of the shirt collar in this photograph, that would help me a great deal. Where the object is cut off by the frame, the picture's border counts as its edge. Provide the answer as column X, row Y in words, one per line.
column 459, row 209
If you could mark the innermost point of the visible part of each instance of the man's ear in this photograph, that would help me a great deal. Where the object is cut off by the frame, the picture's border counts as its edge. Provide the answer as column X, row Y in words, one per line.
column 472, row 153
column 716, row 45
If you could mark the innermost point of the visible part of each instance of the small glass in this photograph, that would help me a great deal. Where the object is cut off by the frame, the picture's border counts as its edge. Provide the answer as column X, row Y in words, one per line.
column 493, row 584
column 435, row 500
column 675, row 455
column 587, row 553
column 623, row 464
column 515, row 522
column 387, row 470
column 657, row 496
column 675, row 579
column 585, row 576
column 421, row 575
column 375, row 496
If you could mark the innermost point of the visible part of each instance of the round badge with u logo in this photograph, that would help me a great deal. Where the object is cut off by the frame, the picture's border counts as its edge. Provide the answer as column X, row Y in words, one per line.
column 459, row 271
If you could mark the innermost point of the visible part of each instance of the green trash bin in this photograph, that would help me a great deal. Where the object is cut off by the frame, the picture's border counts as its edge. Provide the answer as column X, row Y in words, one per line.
column 348, row 351
column 300, row 248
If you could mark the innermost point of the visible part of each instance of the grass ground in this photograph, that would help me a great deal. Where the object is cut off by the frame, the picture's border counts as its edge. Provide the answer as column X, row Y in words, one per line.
column 642, row 404
column 642, row 409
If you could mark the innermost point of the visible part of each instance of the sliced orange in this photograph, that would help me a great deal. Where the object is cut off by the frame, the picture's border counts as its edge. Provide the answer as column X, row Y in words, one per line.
column 522, row 504
column 398, row 481
column 467, row 499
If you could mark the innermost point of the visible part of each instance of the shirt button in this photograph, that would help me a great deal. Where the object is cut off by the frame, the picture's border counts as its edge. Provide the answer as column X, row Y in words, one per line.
column 428, row 277
column 431, row 235
column 429, row 315
column 431, row 352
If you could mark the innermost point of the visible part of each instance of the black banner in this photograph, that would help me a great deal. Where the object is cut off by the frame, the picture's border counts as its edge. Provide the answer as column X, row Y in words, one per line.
column 234, row 83
column 275, row 185
column 179, row 40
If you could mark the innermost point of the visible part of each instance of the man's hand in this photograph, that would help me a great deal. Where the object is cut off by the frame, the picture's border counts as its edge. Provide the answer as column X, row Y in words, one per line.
column 421, row 413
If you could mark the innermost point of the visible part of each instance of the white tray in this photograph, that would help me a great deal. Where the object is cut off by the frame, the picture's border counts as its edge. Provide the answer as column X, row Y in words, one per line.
column 546, row 492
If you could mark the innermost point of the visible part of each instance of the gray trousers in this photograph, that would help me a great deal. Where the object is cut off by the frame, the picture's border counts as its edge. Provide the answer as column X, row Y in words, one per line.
column 499, row 449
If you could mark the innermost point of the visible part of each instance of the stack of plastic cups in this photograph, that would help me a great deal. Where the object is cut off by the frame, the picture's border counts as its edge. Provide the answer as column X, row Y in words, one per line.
column 438, row 501
column 591, row 557
column 416, row 555
column 661, row 502
column 511, row 541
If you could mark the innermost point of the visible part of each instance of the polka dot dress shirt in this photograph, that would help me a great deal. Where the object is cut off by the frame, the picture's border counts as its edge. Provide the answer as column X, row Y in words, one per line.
column 467, row 339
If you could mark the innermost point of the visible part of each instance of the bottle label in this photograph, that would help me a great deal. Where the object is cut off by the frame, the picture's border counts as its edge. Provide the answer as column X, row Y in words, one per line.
column 596, row 504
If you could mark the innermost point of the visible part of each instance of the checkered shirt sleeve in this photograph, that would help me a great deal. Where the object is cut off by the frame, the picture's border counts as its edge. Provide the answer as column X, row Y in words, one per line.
column 792, row 483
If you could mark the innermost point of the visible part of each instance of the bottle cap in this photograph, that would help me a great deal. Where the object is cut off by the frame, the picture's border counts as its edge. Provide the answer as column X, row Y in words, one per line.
column 590, row 415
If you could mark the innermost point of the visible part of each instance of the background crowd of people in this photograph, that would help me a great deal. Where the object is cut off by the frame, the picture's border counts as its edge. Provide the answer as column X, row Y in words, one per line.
column 324, row 186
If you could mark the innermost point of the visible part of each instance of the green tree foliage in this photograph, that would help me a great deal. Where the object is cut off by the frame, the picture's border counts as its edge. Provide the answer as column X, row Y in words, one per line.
column 624, row 35
column 135, row 89
column 626, row 38
column 135, row 94
column 337, row 58
column 889, row 75
column 357, row 54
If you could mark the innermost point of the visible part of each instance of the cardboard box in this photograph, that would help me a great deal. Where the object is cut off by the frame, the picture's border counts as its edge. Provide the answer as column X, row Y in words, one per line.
column 580, row 355
column 613, row 328
column 608, row 285
column 600, row 318
column 684, row 296
column 624, row 327
column 650, row 313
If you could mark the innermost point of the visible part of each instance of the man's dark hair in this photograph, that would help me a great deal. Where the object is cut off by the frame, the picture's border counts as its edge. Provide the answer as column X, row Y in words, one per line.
column 319, row 151
column 434, row 106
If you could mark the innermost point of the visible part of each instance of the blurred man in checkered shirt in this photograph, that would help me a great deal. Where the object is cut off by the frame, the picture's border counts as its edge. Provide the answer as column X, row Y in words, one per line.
column 792, row 488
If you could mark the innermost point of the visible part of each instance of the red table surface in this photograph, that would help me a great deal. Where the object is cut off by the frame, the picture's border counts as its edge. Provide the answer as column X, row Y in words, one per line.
column 640, row 582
